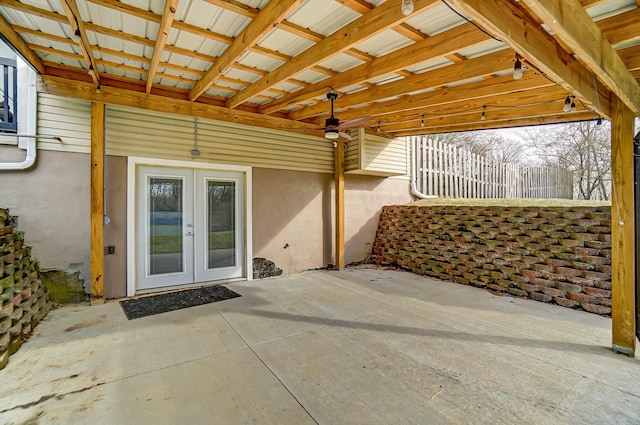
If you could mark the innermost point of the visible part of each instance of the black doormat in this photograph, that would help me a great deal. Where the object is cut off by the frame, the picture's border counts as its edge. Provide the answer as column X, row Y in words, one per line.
column 156, row 304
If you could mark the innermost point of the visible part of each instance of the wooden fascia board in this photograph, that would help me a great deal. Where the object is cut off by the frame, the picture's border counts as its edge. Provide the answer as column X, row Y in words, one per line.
column 485, row 125
column 492, row 87
column 163, row 32
column 515, row 27
column 572, row 24
column 264, row 22
column 14, row 39
column 373, row 23
column 439, row 45
column 116, row 96
column 472, row 68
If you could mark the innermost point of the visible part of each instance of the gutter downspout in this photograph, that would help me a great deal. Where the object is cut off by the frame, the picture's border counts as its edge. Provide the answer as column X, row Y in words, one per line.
column 414, row 172
column 31, row 153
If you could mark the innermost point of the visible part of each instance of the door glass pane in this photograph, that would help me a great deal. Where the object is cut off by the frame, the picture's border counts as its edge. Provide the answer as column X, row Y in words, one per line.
column 221, row 216
column 165, row 217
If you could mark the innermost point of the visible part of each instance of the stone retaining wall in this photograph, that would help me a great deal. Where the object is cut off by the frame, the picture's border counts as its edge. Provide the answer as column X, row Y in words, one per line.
column 554, row 255
column 23, row 298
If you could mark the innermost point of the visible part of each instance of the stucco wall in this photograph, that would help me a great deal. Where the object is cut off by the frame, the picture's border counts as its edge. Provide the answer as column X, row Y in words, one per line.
column 51, row 200
column 293, row 213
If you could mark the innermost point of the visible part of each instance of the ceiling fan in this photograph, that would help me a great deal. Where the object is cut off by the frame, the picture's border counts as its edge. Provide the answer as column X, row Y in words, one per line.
column 333, row 128
column 332, row 125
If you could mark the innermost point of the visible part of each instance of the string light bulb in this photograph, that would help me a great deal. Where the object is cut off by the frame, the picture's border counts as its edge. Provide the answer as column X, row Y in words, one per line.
column 567, row 105
column 483, row 116
column 378, row 128
column 422, row 121
column 407, row 7
column 573, row 105
column 517, row 68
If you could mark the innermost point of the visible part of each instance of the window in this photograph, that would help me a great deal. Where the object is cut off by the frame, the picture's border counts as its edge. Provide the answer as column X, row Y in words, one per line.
column 8, row 89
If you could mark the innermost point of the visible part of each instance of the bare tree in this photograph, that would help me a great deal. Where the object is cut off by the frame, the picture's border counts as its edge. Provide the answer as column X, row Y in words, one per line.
column 488, row 144
column 582, row 147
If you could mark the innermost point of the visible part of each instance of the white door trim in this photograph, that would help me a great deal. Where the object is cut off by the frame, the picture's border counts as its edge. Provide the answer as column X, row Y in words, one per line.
column 133, row 162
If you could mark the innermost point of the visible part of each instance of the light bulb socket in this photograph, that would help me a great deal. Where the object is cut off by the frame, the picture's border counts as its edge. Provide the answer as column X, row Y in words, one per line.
column 599, row 121
column 517, row 69
column 567, row 105
column 573, row 106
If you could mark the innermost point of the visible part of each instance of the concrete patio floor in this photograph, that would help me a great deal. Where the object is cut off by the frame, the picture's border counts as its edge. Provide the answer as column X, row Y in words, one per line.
column 359, row 346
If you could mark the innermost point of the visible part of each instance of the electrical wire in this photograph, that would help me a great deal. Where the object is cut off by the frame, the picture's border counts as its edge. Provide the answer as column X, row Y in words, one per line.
column 469, row 20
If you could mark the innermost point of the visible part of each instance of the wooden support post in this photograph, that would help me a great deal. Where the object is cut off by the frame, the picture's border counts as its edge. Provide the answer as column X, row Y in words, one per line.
column 97, row 203
column 622, row 230
column 339, row 188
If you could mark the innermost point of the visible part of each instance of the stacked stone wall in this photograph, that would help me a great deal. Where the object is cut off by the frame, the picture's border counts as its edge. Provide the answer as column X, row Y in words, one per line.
column 23, row 298
column 554, row 254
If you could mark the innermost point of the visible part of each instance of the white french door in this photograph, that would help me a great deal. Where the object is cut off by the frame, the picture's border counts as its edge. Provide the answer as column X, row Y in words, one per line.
column 189, row 226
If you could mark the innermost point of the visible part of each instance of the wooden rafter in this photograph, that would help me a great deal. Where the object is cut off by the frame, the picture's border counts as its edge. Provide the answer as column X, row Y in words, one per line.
column 486, row 125
column 168, row 14
column 269, row 17
column 473, row 68
column 236, row 7
column 569, row 20
column 514, row 26
column 480, row 92
column 373, row 23
column 77, row 26
column 439, row 45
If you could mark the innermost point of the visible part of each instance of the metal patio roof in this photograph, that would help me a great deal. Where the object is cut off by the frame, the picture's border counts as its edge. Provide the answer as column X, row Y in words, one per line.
column 271, row 63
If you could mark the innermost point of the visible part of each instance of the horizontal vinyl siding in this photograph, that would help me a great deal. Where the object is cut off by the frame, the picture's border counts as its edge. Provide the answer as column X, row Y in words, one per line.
column 67, row 118
column 352, row 155
column 136, row 132
column 383, row 155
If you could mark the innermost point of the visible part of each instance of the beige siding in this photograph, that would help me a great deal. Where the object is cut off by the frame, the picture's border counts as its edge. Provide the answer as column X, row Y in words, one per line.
column 369, row 154
column 69, row 119
column 134, row 132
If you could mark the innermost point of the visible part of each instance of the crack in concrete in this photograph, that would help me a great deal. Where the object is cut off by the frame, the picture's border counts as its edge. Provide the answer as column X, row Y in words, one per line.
column 50, row 396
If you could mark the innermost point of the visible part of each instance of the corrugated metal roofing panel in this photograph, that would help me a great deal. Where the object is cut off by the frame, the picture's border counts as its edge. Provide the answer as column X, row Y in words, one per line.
column 260, row 61
column 341, row 62
column 481, row 49
column 310, row 76
column 429, row 65
column 383, row 79
column 217, row 19
column 610, row 8
column 322, row 16
column 384, row 43
column 285, row 42
column 436, row 19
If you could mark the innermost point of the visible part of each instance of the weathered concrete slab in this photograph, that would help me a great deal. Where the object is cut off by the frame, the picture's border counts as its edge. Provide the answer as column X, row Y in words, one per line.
column 350, row 347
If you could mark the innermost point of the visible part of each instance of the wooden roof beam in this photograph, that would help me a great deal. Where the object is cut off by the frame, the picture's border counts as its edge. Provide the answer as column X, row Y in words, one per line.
column 572, row 24
column 441, row 44
column 373, row 23
column 168, row 14
column 515, row 27
column 266, row 20
column 77, row 26
column 496, row 86
column 509, row 123
column 477, row 67
column 20, row 45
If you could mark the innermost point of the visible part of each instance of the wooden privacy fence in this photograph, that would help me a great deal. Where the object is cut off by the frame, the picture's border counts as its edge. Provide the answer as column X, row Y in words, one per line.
column 440, row 169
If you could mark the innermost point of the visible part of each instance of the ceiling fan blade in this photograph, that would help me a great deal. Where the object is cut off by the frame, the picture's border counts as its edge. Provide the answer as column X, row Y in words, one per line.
column 345, row 135
column 356, row 122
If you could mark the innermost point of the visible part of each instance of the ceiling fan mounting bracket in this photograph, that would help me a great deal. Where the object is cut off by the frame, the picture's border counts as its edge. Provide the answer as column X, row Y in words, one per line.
column 332, row 95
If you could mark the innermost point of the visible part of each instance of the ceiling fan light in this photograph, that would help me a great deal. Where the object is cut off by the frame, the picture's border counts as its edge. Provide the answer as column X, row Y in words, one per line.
column 331, row 133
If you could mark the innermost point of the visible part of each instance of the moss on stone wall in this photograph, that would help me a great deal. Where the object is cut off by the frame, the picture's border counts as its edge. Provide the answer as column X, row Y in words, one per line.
column 558, row 255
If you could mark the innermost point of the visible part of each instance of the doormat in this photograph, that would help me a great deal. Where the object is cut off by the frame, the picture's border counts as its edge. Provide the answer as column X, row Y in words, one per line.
column 156, row 304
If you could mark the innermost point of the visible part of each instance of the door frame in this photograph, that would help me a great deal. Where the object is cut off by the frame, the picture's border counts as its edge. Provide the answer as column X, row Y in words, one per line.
column 134, row 162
